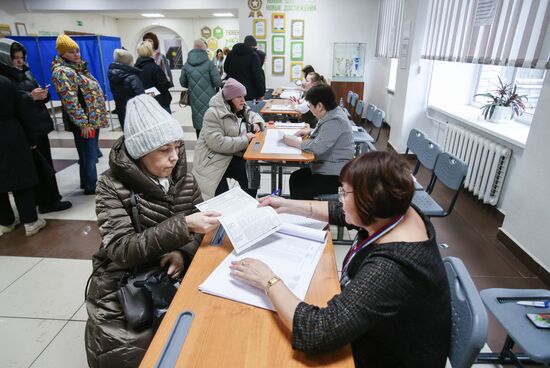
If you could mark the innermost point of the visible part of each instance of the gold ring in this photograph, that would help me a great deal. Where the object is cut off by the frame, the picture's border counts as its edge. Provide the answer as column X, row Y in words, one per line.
column 243, row 263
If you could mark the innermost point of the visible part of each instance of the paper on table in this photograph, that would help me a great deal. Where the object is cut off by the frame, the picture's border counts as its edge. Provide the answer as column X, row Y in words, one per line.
column 287, row 218
column 246, row 228
column 228, row 203
column 281, row 108
column 273, row 142
column 280, row 124
column 293, row 259
column 286, row 94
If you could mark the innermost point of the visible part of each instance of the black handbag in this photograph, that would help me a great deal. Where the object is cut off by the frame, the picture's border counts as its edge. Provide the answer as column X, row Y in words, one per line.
column 184, row 98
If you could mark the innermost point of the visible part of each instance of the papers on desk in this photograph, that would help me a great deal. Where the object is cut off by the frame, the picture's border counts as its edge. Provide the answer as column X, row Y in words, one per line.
column 281, row 107
column 280, row 124
column 228, row 203
column 294, row 259
column 273, row 142
column 286, row 94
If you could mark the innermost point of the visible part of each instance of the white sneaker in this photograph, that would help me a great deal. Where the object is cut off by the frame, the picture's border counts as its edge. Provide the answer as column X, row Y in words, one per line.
column 34, row 227
column 4, row 229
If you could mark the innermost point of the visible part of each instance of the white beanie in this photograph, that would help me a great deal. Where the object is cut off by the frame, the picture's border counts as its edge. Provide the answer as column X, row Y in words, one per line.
column 148, row 126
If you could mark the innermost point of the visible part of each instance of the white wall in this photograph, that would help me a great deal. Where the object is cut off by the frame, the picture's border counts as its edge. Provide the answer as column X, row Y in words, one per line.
column 60, row 22
column 527, row 203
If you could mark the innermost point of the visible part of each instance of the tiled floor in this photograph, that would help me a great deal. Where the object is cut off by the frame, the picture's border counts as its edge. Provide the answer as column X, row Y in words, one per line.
column 42, row 278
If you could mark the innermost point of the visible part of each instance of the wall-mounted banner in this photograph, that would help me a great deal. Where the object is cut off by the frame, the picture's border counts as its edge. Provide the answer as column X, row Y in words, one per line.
column 255, row 7
column 291, row 5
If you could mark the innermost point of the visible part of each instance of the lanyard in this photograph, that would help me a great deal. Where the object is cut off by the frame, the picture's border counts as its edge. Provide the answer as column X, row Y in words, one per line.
column 371, row 239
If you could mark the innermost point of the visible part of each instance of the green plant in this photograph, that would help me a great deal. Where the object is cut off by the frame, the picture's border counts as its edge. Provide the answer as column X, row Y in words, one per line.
column 504, row 95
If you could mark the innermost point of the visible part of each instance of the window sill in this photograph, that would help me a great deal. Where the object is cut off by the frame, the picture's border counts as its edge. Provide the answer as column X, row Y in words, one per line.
column 512, row 132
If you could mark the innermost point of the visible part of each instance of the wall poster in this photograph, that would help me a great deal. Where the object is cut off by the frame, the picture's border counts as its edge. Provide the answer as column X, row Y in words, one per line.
column 278, row 45
column 259, row 28
column 297, row 29
column 278, row 65
column 297, row 50
column 296, row 71
column 278, row 23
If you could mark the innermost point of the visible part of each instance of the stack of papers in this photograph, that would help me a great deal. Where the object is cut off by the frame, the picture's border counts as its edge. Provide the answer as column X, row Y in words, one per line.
column 281, row 108
column 291, row 93
column 280, row 124
column 290, row 245
column 273, row 142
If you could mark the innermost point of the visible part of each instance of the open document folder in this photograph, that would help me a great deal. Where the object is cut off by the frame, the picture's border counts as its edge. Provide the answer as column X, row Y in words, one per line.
column 293, row 259
column 246, row 224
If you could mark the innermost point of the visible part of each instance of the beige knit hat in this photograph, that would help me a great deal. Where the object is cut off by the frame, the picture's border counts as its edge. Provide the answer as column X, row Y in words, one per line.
column 64, row 43
column 148, row 126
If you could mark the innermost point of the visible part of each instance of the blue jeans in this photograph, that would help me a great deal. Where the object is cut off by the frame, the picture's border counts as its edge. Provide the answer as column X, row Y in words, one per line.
column 87, row 159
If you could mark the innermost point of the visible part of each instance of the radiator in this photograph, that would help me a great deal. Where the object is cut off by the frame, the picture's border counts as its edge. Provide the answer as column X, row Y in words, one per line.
column 487, row 162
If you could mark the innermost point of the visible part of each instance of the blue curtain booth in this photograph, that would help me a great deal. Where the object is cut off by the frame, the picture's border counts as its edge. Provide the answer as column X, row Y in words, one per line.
column 97, row 51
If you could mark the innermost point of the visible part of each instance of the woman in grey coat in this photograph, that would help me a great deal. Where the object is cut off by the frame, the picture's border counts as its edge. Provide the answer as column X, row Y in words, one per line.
column 331, row 142
column 229, row 125
column 201, row 77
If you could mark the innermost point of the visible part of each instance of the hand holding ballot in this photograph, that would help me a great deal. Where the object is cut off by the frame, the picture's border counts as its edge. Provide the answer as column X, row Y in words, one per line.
column 202, row 222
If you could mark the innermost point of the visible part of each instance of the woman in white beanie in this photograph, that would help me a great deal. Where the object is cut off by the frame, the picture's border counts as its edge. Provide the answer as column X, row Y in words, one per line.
column 228, row 126
column 147, row 167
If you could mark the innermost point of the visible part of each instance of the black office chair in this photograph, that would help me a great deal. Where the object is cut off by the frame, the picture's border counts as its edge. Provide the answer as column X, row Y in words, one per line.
column 449, row 170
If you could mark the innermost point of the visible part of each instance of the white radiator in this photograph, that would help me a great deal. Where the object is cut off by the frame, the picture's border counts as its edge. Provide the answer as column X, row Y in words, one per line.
column 487, row 162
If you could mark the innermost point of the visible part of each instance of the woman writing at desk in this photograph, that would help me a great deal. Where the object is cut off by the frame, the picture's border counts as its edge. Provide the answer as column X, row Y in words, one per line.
column 331, row 142
column 394, row 307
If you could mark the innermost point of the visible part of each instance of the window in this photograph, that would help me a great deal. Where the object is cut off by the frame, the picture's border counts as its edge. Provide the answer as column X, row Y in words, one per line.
column 529, row 82
column 393, row 75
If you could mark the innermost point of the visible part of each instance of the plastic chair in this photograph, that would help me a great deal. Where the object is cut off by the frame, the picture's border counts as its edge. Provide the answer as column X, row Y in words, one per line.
column 340, row 234
column 427, row 152
column 451, row 171
column 469, row 322
column 348, row 97
column 377, row 121
column 371, row 109
column 359, row 109
column 415, row 138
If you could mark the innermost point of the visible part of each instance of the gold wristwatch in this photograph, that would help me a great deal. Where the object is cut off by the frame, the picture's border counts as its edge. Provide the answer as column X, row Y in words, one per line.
column 272, row 281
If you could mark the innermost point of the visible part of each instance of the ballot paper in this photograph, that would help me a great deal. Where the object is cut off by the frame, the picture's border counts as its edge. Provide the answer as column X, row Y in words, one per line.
column 274, row 143
column 281, row 108
column 280, row 124
column 286, row 94
column 247, row 224
column 153, row 91
column 293, row 259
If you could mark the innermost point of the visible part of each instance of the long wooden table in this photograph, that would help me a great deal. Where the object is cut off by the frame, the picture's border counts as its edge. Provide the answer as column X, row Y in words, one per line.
column 225, row 333
column 275, row 161
column 267, row 109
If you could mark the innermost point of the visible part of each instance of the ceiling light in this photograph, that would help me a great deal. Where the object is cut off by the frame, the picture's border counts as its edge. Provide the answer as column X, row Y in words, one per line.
column 152, row 15
column 223, row 14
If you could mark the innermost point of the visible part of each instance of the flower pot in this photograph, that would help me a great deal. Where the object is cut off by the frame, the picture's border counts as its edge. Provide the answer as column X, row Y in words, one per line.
column 501, row 114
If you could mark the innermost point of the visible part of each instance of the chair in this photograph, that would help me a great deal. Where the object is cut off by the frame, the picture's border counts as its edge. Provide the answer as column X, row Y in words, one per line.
column 359, row 109
column 371, row 109
column 256, row 106
column 451, row 171
column 377, row 121
column 348, row 97
column 415, row 138
column 427, row 152
column 340, row 234
column 469, row 322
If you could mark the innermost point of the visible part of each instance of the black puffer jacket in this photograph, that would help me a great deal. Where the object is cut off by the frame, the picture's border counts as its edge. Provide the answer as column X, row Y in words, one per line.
column 24, row 82
column 109, row 343
column 125, row 82
column 153, row 76
column 16, row 164
column 243, row 64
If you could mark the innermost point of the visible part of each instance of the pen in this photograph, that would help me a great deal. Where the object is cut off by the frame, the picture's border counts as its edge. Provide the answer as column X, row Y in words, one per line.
column 538, row 304
column 276, row 192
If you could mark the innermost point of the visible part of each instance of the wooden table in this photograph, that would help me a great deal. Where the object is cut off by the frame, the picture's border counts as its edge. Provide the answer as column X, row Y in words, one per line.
column 275, row 161
column 266, row 110
column 225, row 333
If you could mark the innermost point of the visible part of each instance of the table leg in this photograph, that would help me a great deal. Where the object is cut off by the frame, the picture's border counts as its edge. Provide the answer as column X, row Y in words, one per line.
column 280, row 179
column 273, row 178
column 506, row 356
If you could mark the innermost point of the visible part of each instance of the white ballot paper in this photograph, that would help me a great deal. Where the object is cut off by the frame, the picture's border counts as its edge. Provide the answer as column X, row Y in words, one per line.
column 273, row 142
column 292, row 258
column 153, row 91
column 280, row 124
column 286, row 94
column 281, row 108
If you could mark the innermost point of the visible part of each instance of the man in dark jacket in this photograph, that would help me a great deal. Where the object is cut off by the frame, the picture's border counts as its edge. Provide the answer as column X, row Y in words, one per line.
column 13, row 66
column 152, row 75
column 243, row 64
column 125, row 81
column 201, row 77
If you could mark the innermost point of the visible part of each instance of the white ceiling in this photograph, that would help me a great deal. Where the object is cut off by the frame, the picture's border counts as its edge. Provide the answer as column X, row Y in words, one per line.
column 187, row 13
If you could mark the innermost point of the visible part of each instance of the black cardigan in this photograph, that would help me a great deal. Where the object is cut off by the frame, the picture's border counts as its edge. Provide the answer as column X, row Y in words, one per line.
column 395, row 312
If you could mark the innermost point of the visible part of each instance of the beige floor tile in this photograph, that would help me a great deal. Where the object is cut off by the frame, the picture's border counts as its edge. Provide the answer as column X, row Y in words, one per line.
column 24, row 339
column 53, row 289
column 66, row 350
column 81, row 314
column 12, row 268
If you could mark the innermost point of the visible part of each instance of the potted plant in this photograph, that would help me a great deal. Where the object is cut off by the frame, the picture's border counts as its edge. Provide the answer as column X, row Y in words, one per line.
column 503, row 102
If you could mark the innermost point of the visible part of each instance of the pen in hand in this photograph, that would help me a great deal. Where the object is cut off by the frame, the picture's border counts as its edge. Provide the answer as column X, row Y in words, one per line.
column 276, row 192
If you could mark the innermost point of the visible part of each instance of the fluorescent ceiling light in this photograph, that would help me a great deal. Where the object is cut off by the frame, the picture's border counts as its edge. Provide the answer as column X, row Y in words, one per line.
column 152, row 15
column 222, row 14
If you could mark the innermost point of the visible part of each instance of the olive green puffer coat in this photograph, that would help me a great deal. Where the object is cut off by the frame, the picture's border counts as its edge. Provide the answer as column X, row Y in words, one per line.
column 109, row 343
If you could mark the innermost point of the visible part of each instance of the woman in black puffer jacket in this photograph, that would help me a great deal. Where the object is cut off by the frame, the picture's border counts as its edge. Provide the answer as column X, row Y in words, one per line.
column 152, row 75
column 125, row 81
column 14, row 67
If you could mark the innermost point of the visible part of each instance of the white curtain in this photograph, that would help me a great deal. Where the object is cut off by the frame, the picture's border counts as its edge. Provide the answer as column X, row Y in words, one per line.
column 499, row 32
column 390, row 17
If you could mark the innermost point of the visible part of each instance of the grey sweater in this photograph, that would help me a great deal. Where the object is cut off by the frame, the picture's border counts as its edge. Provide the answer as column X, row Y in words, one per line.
column 395, row 311
column 331, row 142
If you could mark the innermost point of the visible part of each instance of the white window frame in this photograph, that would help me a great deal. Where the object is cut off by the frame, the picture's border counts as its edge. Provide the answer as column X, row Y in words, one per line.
column 392, row 79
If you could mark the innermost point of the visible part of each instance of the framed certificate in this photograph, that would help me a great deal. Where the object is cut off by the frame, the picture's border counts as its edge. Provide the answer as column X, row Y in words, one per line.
column 278, row 65
column 262, row 45
column 277, row 45
column 297, row 29
column 259, row 28
column 297, row 50
column 296, row 70
column 278, row 23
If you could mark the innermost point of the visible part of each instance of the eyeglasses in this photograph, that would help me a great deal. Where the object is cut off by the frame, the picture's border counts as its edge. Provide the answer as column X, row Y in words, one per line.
column 342, row 194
